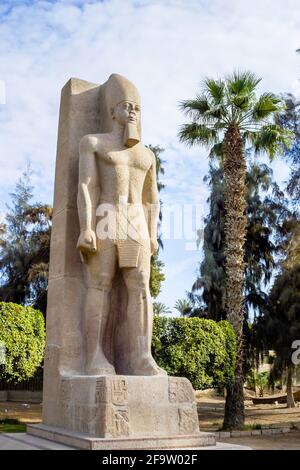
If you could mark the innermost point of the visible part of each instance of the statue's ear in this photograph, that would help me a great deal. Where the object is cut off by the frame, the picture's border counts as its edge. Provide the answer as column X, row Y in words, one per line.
column 112, row 113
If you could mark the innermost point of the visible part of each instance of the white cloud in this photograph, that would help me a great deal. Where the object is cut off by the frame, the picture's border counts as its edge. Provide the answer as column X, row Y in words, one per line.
column 165, row 47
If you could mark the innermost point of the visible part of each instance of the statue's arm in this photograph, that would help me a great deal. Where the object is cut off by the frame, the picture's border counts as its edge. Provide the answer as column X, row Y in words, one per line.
column 151, row 202
column 88, row 193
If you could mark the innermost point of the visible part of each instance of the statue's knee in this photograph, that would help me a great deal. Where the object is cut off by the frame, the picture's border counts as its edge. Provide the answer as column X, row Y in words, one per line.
column 137, row 281
column 103, row 282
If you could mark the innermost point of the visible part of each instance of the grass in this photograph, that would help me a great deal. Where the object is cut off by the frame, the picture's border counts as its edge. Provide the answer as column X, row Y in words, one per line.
column 12, row 425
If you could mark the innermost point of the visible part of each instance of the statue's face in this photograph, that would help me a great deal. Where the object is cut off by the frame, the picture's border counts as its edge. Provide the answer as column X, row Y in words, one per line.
column 127, row 112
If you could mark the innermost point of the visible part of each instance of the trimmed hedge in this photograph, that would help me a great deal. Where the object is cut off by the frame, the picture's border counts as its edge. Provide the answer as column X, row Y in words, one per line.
column 203, row 351
column 22, row 331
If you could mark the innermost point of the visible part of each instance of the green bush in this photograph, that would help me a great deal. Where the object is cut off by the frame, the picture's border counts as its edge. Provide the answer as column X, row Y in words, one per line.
column 203, row 351
column 22, row 331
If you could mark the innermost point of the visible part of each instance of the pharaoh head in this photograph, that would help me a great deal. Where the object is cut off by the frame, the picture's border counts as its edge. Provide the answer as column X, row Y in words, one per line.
column 123, row 105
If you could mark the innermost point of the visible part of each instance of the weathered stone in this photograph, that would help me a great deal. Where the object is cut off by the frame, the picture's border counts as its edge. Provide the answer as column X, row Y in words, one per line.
column 180, row 390
column 100, row 378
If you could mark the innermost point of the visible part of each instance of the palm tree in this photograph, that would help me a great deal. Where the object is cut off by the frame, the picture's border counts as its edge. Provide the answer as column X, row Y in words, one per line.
column 160, row 309
column 183, row 306
column 227, row 116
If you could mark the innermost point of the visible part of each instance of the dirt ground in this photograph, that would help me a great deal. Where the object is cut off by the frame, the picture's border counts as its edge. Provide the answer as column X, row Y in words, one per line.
column 210, row 408
column 211, row 412
column 24, row 412
column 289, row 441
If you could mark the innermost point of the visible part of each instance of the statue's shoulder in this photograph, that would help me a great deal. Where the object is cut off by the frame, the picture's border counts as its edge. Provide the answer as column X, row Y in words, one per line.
column 151, row 155
column 93, row 142
column 88, row 143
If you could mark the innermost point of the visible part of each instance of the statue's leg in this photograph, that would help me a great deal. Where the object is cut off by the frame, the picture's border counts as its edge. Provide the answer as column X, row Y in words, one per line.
column 140, row 317
column 101, row 268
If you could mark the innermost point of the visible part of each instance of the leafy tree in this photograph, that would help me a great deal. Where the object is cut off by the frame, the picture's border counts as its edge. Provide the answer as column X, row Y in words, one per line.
column 201, row 350
column 225, row 118
column 283, row 324
column 156, row 275
column 211, row 279
column 197, row 307
column 266, row 210
column 24, row 248
column 15, row 243
column 22, row 332
column 262, row 380
column 280, row 325
column 290, row 120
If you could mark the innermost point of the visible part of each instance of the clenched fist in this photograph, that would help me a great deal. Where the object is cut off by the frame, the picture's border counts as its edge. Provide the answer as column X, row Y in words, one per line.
column 87, row 242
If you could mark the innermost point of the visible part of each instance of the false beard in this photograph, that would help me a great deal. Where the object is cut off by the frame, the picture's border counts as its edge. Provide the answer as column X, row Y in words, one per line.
column 131, row 135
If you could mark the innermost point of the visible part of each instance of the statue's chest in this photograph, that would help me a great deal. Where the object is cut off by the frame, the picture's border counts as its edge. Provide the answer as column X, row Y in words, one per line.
column 132, row 158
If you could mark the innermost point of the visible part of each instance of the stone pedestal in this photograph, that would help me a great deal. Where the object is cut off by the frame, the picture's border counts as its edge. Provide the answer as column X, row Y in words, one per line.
column 125, row 412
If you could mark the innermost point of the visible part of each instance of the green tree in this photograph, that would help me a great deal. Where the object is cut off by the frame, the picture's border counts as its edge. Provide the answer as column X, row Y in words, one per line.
column 290, row 120
column 201, row 350
column 24, row 248
column 156, row 274
column 262, row 380
column 266, row 210
column 225, row 118
column 283, row 325
column 280, row 326
column 22, row 332
column 211, row 279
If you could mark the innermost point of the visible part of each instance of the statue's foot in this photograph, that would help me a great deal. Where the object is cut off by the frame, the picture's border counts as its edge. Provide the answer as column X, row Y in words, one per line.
column 148, row 366
column 100, row 366
column 100, row 370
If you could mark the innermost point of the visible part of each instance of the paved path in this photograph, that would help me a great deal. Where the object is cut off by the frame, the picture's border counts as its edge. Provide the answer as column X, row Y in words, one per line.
column 22, row 441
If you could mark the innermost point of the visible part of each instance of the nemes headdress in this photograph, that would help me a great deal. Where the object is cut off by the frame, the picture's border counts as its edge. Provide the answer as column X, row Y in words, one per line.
column 118, row 89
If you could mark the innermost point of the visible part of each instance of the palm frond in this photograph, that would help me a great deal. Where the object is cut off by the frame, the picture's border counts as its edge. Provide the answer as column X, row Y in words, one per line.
column 270, row 139
column 242, row 83
column 215, row 89
column 216, row 113
column 216, row 151
column 197, row 106
column 195, row 133
column 267, row 104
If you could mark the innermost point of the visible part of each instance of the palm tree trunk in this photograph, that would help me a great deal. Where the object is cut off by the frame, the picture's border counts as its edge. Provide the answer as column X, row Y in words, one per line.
column 290, row 402
column 235, row 234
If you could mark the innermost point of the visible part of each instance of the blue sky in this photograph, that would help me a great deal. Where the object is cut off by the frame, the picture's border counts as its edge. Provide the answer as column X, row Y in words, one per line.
column 166, row 48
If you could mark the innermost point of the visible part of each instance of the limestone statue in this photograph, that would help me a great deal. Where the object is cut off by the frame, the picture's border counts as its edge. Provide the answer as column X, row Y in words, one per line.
column 102, row 388
column 117, row 175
